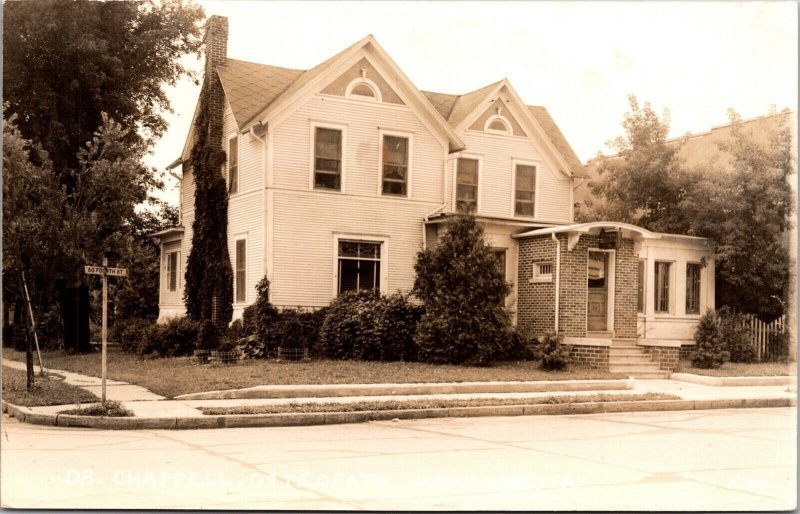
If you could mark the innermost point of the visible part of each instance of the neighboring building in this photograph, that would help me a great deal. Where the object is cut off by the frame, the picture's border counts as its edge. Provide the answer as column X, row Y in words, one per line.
column 339, row 175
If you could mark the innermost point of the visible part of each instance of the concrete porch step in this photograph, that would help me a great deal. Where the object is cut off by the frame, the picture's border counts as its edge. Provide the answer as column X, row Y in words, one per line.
column 638, row 366
column 628, row 359
column 625, row 350
column 622, row 342
column 599, row 335
column 648, row 375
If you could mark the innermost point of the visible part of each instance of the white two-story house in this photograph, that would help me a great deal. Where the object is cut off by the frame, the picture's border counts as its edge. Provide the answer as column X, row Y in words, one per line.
column 339, row 175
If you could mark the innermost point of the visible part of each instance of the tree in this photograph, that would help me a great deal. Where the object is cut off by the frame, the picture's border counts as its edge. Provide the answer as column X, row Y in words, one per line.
column 709, row 350
column 463, row 290
column 67, row 62
column 643, row 183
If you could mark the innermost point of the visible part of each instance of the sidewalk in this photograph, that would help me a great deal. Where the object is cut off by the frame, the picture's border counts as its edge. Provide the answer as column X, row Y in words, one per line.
column 149, row 406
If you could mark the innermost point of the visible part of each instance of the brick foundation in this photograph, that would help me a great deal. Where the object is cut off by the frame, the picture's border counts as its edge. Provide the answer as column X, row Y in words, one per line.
column 665, row 356
column 594, row 356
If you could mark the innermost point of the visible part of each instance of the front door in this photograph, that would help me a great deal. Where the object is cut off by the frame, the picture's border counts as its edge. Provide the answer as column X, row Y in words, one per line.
column 597, row 307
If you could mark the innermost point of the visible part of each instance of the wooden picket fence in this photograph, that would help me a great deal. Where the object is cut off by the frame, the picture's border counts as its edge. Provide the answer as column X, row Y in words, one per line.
column 760, row 332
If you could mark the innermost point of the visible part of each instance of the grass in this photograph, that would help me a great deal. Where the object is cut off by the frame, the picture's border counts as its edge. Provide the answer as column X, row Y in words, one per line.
column 380, row 405
column 175, row 376
column 741, row 369
column 110, row 408
column 46, row 390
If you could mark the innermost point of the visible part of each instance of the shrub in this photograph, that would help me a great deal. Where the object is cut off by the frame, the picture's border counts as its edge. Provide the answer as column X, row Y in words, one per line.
column 253, row 348
column 262, row 319
column 340, row 337
column 391, row 327
column 137, row 336
column 555, row 355
column 521, row 348
column 735, row 337
column 312, row 324
column 208, row 337
column 292, row 333
column 463, row 291
column 177, row 337
column 778, row 346
column 709, row 350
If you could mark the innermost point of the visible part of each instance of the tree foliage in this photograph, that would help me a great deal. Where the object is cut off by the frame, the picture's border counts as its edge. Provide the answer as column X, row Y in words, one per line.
column 742, row 203
column 65, row 63
column 463, row 290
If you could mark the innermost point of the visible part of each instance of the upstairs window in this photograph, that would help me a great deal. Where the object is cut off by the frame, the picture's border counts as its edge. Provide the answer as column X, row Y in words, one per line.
column 525, row 190
column 693, row 288
column 233, row 165
column 327, row 159
column 395, row 166
column 359, row 266
column 662, row 292
column 497, row 124
column 363, row 90
column 467, row 185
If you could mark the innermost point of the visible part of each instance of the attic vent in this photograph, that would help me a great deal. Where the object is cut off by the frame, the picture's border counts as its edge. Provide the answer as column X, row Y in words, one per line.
column 363, row 88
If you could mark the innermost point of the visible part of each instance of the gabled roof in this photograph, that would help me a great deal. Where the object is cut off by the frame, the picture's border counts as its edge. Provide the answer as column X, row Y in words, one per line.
column 250, row 86
column 557, row 138
column 469, row 102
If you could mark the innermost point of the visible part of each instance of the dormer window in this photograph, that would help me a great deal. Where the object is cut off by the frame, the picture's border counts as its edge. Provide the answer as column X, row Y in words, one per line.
column 498, row 124
column 362, row 90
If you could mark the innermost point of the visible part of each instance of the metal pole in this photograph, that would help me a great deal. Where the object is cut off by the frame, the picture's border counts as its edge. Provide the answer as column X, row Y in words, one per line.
column 33, row 324
column 105, row 308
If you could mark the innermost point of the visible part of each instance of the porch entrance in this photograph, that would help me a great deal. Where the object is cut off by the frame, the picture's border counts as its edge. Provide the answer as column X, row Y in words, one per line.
column 597, row 297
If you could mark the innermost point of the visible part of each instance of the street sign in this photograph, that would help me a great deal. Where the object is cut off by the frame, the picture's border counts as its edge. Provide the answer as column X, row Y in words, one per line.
column 101, row 270
column 105, row 271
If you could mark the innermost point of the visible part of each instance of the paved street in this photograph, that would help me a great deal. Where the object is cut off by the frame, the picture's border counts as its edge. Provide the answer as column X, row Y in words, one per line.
column 738, row 459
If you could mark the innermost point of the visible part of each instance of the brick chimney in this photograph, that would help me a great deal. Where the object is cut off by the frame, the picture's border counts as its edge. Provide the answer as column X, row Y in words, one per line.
column 216, row 42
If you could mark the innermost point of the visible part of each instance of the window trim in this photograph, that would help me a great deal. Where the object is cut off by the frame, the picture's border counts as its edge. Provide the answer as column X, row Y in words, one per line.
column 537, row 167
column 409, row 171
column 177, row 271
column 699, row 288
column 509, row 131
column 312, row 151
column 367, row 238
column 454, row 188
column 536, row 274
column 236, row 239
column 670, row 285
column 348, row 92
column 231, row 137
column 642, row 287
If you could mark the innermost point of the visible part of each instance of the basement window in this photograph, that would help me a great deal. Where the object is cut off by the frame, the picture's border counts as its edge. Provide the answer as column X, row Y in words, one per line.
column 542, row 272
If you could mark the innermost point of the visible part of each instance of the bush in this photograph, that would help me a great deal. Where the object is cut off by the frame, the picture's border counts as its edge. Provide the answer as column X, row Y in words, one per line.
column 312, row 324
column 262, row 320
column 521, row 348
column 136, row 336
column 465, row 320
column 778, row 346
column 735, row 337
column 341, row 337
column 709, row 349
column 208, row 337
column 366, row 326
column 292, row 332
column 554, row 354
column 177, row 337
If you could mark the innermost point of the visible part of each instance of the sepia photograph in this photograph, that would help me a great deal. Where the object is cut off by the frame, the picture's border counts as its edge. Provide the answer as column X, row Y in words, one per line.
column 419, row 255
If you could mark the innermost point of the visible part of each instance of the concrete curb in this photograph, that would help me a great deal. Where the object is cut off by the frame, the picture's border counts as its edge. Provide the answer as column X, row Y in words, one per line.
column 335, row 418
column 733, row 381
column 336, row 390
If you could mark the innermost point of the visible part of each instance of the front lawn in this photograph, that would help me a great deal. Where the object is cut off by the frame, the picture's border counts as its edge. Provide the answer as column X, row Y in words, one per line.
column 172, row 377
column 740, row 369
column 46, row 390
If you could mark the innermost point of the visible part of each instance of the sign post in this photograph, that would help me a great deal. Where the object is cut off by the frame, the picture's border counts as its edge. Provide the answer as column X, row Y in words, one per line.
column 105, row 271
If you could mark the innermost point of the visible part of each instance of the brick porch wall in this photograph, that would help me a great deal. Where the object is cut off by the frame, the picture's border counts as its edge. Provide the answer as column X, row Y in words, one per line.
column 535, row 301
column 626, row 282
column 665, row 356
column 594, row 356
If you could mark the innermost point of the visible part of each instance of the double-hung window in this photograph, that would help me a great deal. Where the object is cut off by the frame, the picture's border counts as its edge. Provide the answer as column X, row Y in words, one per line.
column 327, row 159
column 692, row 288
column 172, row 271
column 467, row 185
column 395, row 165
column 359, row 265
column 525, row 189
column 241, row 270
column 662, row 278
column 233, row 165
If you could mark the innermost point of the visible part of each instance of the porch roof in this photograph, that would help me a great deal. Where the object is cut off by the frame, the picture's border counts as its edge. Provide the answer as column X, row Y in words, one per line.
column 595, row 227
column 171, row 232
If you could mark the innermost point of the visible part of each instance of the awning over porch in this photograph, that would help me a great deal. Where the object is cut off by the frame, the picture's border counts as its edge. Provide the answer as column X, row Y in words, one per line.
column 169, row 233
column 575, row 231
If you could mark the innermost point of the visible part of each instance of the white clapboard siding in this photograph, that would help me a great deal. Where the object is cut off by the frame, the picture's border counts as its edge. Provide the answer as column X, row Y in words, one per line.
column 304, row 252
column 245, row 222
column 497, row 155
column 363, row 121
